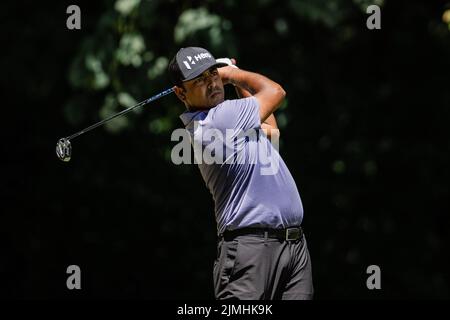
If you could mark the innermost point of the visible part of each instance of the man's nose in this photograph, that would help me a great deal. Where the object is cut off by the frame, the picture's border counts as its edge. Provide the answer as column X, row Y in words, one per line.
column 211, row 80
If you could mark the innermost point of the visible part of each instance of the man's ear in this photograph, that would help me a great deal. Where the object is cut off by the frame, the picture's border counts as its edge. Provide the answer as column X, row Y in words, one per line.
column 180, row 92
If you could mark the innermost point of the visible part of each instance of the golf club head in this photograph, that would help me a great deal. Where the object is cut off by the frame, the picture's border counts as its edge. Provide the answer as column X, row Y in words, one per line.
column 63, row 149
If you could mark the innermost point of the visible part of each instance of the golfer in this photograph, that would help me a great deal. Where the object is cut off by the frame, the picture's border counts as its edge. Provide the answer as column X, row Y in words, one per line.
column 261, row 250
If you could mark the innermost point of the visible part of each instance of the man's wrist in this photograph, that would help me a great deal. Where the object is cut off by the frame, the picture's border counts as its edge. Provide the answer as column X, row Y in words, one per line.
column 227, row 75
column 231, row 76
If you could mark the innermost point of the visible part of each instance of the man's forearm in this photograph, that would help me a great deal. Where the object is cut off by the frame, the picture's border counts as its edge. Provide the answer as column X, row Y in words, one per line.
column 268, row 93
column 269, row 126
column 242, row 93
column 270, row 121
column 248, row 81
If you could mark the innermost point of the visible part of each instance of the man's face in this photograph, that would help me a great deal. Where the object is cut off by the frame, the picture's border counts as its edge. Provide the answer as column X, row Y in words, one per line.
column 204, row 92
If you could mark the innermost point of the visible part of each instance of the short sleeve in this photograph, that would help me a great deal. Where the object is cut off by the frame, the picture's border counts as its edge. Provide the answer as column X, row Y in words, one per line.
column 236, row 114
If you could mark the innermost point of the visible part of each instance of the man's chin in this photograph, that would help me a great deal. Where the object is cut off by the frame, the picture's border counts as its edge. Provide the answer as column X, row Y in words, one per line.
column 217, row 99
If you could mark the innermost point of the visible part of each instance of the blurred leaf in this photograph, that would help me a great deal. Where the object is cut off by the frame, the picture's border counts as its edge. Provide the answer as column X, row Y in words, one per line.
column 339, row 166
column 327, row 12
column 126, row 100
column 363, row 4
column 193, row 20
column 281, row 26
column 160, row 125
column 108, row 109
column 282, row 120
column 130, row 49
column 158, row 68
column 446, row 17
column 87, row 71
column 126, row 6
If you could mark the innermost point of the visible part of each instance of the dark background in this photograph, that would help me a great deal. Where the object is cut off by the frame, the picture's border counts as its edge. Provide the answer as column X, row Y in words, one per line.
column 364, row 133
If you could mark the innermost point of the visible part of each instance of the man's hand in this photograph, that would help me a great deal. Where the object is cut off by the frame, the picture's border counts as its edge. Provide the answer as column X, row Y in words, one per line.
column 231, row 62
column 270, row 127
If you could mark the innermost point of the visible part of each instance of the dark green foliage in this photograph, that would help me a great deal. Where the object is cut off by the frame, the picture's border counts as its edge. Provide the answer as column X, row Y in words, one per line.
column 365, row 133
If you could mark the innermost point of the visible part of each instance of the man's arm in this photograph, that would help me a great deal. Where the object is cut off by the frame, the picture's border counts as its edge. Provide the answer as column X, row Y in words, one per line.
column 268, row 93
column 269, row 126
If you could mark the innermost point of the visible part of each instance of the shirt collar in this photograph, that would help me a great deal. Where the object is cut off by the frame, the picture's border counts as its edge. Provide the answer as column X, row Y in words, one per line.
column 189, row 116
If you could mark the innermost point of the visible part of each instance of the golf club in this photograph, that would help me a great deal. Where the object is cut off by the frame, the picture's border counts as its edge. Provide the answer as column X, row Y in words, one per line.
column 63, row 146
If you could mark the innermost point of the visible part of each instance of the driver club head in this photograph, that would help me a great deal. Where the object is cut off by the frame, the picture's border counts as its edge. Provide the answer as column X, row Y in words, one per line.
column 63, row 149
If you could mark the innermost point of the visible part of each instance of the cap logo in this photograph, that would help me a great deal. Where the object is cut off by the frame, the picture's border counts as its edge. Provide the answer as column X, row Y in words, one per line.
column 197, row 57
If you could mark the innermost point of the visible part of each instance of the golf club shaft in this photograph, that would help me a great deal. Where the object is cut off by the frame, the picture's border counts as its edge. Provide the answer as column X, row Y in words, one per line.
column 140, row 104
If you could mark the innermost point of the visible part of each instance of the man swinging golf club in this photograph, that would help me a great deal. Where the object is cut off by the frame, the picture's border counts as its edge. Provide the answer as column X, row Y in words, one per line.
column 262, row 251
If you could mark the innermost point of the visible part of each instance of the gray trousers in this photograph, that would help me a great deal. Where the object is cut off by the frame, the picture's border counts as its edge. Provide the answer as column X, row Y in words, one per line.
column 251, row 267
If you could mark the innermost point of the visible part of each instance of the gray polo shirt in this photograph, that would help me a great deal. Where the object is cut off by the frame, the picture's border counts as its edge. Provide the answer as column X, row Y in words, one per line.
column 249, row 181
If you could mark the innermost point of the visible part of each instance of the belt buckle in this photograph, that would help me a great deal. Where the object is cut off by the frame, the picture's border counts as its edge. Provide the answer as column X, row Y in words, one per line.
column 292, row 234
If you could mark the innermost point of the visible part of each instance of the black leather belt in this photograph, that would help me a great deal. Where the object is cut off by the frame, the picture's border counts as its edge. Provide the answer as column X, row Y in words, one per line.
column 288, row 234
